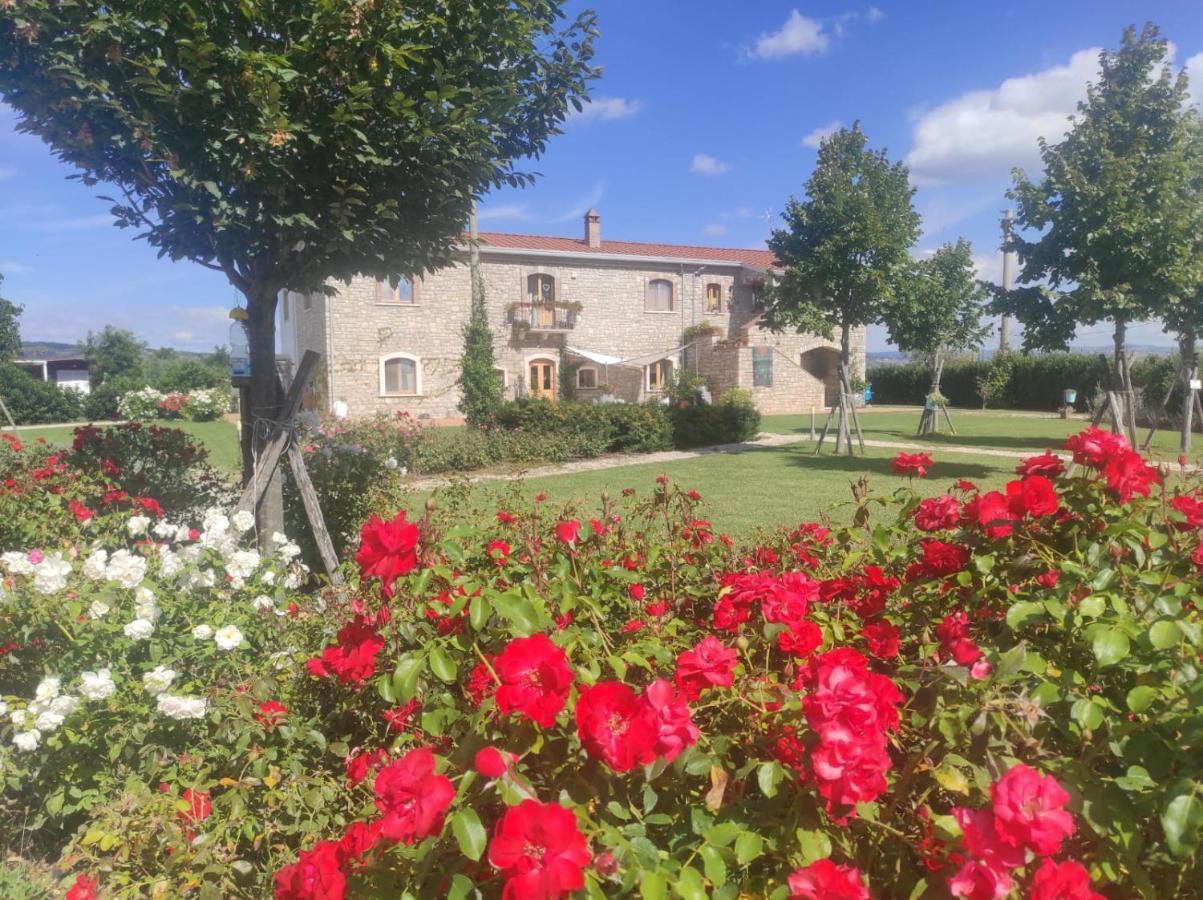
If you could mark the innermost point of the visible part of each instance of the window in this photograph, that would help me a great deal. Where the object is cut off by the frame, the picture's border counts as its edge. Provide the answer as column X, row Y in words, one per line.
column 387, row 295
column 400, row 376
column 659, row 295
column 714, row 298
column 586, row 377
column 762, row 367
column 541, row 289
column 659, row 374
column 503, row 378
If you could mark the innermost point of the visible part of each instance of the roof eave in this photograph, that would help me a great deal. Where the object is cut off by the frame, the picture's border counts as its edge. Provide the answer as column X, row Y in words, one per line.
column 489, row 249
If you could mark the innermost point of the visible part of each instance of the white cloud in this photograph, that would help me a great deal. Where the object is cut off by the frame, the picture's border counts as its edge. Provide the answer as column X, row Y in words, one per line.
column 742, row 212
column 984, row 133
column 584, row 204
column 989, row 266
column 12, row 267
column 1194, row 72
column 715, row 229
column 182, row 337
column 823, row 131
column 6, row 172
column 705, row 164
column 798, row 35
column 505, row 211
column 607, row 109
column 874, row 15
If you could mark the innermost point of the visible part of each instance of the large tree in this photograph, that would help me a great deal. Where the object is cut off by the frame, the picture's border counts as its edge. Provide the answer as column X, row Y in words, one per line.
column 286, row 143
column 113, row 353
column 936, row 309
column 10, row 331
column 846, row 244
column 1118, row 233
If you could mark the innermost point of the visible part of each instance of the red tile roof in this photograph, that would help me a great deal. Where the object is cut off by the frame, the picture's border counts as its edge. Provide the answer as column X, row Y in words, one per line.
column 500, row 240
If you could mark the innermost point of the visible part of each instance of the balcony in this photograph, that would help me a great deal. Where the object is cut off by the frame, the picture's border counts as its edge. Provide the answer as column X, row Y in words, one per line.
column 541, row 318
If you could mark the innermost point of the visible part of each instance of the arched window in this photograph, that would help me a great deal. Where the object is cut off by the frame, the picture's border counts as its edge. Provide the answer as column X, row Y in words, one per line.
column 400, row 376
column 659, row 374
column 714, row 298
column 586, row 377
column 402, row 294
column 541, row 288
column 659, row 295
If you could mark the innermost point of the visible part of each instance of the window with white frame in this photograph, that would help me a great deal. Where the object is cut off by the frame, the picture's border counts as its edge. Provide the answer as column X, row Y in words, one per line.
column 659, row 295
column 586, row 377
column 400, row 376
column 401, row 295
column 659, row 375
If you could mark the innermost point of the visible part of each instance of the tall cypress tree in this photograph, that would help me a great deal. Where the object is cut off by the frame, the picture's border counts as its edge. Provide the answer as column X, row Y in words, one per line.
column 480, row 388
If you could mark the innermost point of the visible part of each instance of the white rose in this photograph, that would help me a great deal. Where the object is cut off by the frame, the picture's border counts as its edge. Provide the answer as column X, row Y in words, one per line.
column 242, row 563
column 169, row 562
column 262, row 603
column 242, row 521
column 27, row 740
column 94, row 567
column 98, row 610
column 391, row 463
column 3, row 708
column 126, row 568
column 48, row 721
column 139, row 629
column 137, row 525
column 17, row 563
column 97, row 685
column 164, row 530
column 158, row 679
column 177, row 707
column 228, row 637
column 48, row 688
column 64, row 705
column 202, row 632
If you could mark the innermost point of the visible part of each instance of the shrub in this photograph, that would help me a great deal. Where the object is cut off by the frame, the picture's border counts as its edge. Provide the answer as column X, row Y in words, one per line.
column 998, row 688
column 102, row 404
column 590, row 429
column 206, row 405
column 144, row 403
column 732, row 420
column 183, row 376
column 33, row 402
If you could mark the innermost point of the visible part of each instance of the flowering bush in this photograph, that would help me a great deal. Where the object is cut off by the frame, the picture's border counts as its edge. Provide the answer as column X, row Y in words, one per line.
column 987, row 694
column 203, row 405
column 143, row 403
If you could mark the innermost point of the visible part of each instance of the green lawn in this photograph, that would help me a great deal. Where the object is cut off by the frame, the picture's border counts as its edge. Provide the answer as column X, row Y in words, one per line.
column 999, row 430
column 769, row 486
column 220, row 438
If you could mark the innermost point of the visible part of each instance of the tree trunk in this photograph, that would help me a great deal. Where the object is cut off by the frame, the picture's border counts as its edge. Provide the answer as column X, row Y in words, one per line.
column 846, row 348
column 265, row 404
column 1126, row 414
column 1190, row 364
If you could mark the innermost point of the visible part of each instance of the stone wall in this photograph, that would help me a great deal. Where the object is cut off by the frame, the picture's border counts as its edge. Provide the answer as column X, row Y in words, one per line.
column 356, row 333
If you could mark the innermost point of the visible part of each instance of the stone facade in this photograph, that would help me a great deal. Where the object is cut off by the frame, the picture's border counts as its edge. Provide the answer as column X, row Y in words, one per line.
column 601, row 320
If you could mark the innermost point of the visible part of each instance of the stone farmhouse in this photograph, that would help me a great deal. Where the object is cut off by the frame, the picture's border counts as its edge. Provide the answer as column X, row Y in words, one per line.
column 598, row 320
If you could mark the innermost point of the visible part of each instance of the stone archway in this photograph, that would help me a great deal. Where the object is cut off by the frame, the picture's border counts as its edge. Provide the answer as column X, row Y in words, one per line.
column 823, row 365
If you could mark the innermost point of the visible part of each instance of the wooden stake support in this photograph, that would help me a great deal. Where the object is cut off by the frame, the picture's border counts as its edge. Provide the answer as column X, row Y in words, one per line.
column 1117, row 401
column 8, row 416
column 1190, row 409
column 929, row 421
column 281, row 440
column 845, row 417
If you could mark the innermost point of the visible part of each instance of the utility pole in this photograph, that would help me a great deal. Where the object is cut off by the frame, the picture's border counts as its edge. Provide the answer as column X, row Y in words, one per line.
column 1008, row 278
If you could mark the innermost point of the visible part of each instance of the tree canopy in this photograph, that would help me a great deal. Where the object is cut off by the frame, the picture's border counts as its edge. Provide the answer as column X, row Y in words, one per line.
column 10, row 330
column 845, row 243
column 937, row 308
column 113, row 353
column 1116, row 207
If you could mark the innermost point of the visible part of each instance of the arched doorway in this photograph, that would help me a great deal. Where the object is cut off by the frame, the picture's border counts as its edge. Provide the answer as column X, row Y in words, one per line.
column 542, row 378
column 823, row 364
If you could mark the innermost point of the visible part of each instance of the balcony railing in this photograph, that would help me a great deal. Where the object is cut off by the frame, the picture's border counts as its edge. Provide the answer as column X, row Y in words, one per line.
column 543, row 317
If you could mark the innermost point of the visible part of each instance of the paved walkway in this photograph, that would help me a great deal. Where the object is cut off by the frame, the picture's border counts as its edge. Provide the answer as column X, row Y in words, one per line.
column 621, row 460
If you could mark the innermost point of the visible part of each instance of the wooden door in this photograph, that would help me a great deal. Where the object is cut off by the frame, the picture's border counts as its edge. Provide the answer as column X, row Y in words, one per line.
column 543, row 379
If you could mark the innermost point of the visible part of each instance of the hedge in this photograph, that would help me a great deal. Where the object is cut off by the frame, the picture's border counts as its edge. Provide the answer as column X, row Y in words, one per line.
column 33, row 402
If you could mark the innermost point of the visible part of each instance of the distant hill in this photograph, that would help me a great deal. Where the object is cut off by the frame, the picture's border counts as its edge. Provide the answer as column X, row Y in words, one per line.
column 49, row 350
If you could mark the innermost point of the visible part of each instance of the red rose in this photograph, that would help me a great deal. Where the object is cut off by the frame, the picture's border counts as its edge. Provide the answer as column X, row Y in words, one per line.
column 883, row 638
column 1197, row 556
column 1033, row 496
column 787, row 600
column 938, row 513
column 1028, row 811
column 616, row 726
column 636, row 592
column 913, row 465
column 271, row 714
column 358, row 840
column 498, row 551
column 740, row 591
column 506, row 518
column 353, row 658
column 824, row 880
column 200, row 806
column 540, row 852
column 316, row 875
column 81, row 512
column 1048, row 579
column 1095, row 448
column 400, row 717
column 1191, row 508
column 1127, row 473
column 360, row 764
column 676, row 729
column 491, row 762
column 953, row 632
column 845, row 696
column 1062, row 881
column 568, row 532
column 981, row 840
column 848, row 770
column 980, row 881
column 411, row 797
column 387, row 550
column 992, row 513
column 800, row 639
column 535, row 679
column 1048, row 464
column 940, row 559
column 85, row 886
column 709, row 664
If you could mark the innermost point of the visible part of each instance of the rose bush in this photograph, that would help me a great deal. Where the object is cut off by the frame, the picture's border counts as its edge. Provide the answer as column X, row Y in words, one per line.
column 988, row 694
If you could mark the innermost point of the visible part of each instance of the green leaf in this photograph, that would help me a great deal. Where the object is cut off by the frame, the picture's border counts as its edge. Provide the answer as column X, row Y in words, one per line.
column 405, row 677
column 690, row 885
column 1182, row 817
column 1110, row 646
column 461, row 887
column 519, row 611
column 768, row 776
column 1164, row 634
column 653, row 886
column 1141, row 698
column 714, row 865
column 442, row 665
column 1023, row 612
column 469, row 833
column 1087, row 713
column 815, row 845
column 748, row 846
column 478, row 613
column 1093, row 606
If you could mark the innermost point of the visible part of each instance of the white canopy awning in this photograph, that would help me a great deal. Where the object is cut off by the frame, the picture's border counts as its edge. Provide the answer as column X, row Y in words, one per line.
column 633, row 361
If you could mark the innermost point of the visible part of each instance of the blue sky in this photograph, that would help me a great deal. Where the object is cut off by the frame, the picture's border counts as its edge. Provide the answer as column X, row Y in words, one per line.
column 704, row 122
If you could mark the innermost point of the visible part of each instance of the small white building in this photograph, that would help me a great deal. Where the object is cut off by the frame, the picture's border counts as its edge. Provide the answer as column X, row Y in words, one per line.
column 68, row 372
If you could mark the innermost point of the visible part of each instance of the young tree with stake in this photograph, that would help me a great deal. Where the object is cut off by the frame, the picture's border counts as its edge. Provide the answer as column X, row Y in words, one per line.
column 287, row 143
column 935, row 310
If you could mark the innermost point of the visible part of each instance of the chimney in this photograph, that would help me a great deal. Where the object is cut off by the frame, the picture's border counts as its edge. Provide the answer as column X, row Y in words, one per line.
column 593, row 228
